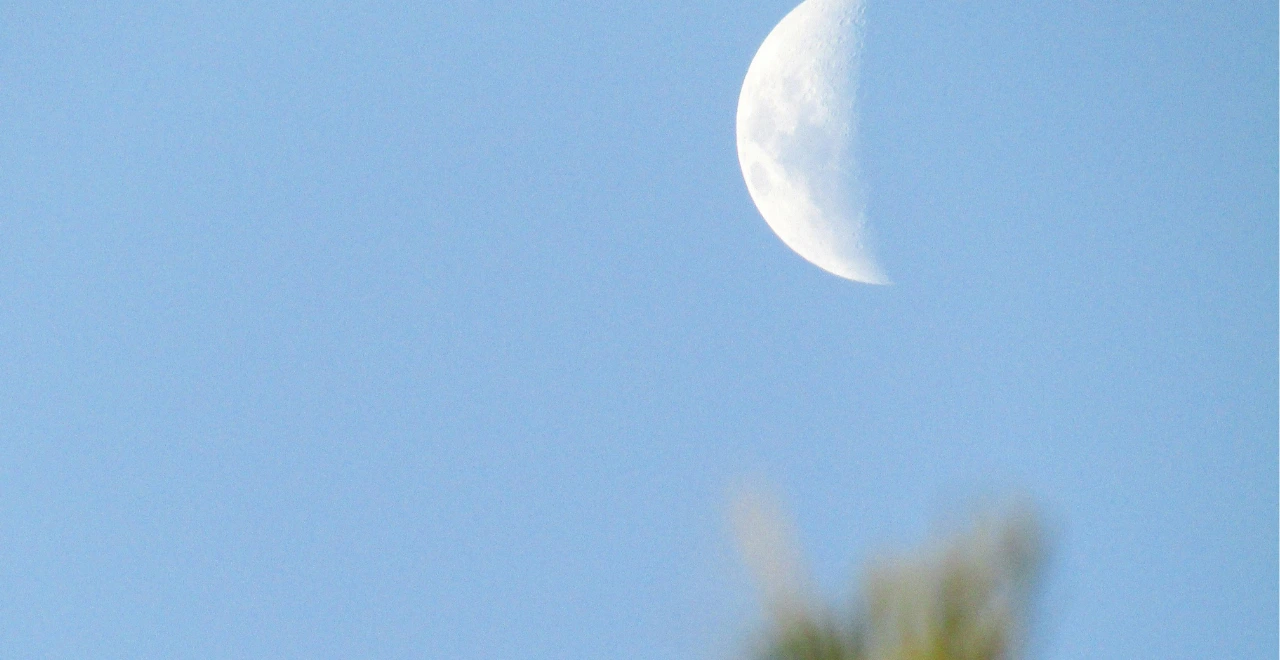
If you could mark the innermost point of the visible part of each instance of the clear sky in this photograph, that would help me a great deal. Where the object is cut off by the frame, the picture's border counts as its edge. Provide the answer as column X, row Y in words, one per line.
column 444, row 329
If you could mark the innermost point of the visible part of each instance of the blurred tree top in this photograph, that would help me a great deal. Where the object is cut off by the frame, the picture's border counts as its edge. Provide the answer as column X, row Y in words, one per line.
column 964, row 598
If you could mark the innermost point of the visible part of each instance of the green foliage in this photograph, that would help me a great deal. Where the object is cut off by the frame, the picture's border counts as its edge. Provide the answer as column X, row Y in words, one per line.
column 806, row 639
column 965, row 599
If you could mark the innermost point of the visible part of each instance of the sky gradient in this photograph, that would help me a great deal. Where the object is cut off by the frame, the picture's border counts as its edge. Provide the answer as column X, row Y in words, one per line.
column 403, row 330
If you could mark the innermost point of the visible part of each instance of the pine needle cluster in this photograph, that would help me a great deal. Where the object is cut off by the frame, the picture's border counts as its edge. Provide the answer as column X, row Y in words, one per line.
column 966, row 598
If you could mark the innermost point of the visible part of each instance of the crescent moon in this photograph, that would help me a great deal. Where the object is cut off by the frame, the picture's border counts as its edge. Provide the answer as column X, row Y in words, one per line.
column 797, row 127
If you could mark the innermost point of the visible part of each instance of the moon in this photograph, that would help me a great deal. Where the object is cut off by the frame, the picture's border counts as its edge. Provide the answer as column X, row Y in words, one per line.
column 797, row 132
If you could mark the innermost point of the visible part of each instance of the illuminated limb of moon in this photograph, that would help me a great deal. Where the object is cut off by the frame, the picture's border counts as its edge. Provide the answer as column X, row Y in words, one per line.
column 796, row 130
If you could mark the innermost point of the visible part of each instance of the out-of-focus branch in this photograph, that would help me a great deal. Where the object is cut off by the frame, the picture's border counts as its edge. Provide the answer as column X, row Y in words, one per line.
column 966, row 597
column 767, row 541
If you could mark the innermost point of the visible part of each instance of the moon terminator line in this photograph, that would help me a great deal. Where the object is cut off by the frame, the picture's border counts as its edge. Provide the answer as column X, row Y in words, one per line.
column 796, row 133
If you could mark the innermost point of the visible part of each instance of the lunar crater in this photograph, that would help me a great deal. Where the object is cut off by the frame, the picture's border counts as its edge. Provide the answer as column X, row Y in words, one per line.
column 796, row 130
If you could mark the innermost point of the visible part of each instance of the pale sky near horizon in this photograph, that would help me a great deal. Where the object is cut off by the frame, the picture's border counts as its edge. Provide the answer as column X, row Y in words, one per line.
column 413, row 330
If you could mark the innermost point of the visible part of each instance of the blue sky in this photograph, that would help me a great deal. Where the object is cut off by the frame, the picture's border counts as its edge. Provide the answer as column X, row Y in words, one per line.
column 401, row 330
